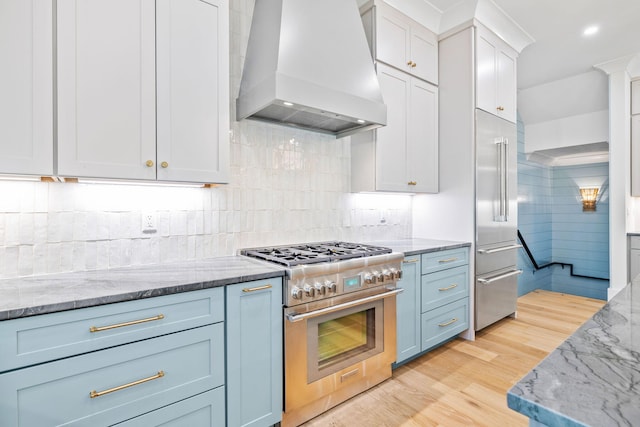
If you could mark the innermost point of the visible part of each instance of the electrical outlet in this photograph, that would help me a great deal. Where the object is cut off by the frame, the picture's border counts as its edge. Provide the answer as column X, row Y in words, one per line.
column 149, row 222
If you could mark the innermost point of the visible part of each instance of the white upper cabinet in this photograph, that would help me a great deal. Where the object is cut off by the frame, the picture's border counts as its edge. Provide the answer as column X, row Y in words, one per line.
column 106, row 89
column 26, row 87
column 143, row 89
column 399, row 41
column 402, row 156
column 495, row 75
column 193, row 90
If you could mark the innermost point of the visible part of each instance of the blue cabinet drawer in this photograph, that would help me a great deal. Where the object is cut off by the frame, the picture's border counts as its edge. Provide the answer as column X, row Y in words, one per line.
column 441, row 260
column 444, row 322
column 203, row 410
column 116, row 384
column 443, row 287
column 31, row 340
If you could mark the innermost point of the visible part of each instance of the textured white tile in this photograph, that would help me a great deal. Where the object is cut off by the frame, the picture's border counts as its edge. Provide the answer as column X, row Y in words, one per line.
column 26, row 232
column 40, row 259
column 54, row 257
column 12, row 229
column 102, row 259
column 11, row 255
column 25, row 260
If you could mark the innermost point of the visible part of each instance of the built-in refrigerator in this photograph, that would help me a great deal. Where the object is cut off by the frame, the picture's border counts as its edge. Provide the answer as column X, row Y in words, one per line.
column 496, row 281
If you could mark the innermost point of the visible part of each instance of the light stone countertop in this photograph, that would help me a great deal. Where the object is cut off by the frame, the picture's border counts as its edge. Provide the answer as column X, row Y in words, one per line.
column 420, row 246
column 593, row 378
column 34, row 295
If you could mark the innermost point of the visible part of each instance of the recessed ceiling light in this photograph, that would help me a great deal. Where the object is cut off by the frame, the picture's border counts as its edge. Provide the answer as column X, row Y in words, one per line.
column 288, row 104
column 591, row 30
column 360, row 121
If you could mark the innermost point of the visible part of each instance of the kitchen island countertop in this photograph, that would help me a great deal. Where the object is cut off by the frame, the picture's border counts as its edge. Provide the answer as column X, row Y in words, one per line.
column 28, row 296
column 592, row 379
column 420, row 246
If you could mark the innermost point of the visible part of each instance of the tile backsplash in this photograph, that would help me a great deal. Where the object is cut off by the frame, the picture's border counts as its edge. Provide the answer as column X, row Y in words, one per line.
column 286, row 186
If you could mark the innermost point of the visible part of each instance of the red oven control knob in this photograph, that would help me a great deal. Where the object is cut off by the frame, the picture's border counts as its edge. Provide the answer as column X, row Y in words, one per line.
column 330, row 286
column 370, row 278
column 296, row 293
column 321, row 288
column 311, row 292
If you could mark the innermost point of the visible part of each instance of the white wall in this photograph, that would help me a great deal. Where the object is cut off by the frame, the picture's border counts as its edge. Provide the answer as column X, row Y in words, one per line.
column 287, row 186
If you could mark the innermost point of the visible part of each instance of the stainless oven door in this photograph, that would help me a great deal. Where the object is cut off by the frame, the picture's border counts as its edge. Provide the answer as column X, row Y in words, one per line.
column 337, row 349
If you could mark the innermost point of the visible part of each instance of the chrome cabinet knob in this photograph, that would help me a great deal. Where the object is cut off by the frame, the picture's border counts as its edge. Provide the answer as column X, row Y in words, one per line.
column 296, row 293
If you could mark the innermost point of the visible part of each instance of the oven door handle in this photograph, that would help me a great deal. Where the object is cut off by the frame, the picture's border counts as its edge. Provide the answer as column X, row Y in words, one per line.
column 294, row 317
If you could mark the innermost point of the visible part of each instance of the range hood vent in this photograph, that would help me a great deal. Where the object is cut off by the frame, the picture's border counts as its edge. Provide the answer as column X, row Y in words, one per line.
column 308, row 65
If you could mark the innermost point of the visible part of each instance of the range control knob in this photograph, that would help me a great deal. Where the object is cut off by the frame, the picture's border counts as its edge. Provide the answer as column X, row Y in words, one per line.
column 311, row 292
column 331, row 286
column 371, row 278
column 387, row 274
column 380, row 276
column 396, row 274
column 296, row 293
column 321, row 289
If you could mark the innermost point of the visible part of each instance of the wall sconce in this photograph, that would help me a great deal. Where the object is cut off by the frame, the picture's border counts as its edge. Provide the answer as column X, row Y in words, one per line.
column 589, row 196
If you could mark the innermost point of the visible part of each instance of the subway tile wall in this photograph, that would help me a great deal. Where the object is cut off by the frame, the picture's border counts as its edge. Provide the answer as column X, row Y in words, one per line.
column 286, row 186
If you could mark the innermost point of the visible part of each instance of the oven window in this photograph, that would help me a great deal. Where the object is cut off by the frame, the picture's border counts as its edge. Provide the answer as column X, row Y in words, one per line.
column 341, row 338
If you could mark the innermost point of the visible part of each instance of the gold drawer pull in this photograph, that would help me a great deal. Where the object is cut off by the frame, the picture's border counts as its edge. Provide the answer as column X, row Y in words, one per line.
column 94, row 393
column 444, row 261
column 411, row 261
column 450, row 322
column 257, row 288
column 500, row 108
column 120, row 325
column 448, row 288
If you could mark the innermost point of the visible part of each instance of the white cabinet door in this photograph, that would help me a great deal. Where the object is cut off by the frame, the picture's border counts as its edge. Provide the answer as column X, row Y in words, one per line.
column 424, row 54
column 404, row 44
column 193, row 94
column 106, row 88
column 26, row 87
column 635, row 97
column 495, row 76
column 391, row 141
column 422, row 141
column 635, row 155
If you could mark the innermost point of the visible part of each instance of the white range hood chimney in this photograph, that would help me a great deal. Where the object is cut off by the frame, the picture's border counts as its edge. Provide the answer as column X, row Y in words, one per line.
column 308, row 65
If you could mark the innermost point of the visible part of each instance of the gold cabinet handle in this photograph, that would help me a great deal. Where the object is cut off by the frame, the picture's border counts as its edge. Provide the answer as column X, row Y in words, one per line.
column 164, row 164
column 93, row 394
column 410, row 63
column 120, row 325
column 149, row 163
column 444, row 261
column 411, row 261
column 500, row 108
column 412, row 183
column 450, row 322
column 448, row 288
column 413, row 65
column 257, row 288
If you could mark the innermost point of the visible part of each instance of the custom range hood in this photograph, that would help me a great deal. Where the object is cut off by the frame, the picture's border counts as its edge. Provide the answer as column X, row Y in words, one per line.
column 308, row 65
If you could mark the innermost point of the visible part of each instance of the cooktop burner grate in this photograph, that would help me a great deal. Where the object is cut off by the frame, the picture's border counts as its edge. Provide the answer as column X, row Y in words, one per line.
column 312, row 253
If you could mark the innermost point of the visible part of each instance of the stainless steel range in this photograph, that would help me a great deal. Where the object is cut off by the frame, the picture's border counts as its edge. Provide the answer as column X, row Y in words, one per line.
column 340, row 321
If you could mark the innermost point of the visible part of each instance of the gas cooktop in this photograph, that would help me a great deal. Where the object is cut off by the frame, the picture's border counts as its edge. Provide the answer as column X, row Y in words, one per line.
column 314, row 253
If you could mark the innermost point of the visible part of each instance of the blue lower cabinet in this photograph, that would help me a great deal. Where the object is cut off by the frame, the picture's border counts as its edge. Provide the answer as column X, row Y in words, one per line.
column 408, row 310
column 116, row 384
column 254, row 353
column 203, row 410
column 443, row 323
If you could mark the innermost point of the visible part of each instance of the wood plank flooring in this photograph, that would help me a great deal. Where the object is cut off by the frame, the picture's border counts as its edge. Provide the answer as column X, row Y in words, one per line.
column 464, row 383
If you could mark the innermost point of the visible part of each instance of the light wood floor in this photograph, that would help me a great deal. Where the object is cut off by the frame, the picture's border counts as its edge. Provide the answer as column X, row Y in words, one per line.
column 464, row 383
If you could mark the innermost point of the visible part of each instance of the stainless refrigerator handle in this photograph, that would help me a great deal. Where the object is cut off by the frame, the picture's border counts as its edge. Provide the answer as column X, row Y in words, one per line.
column 295, row 317
column 503, row 248
column 502, row 177
column 505, row 194
column 499, row 277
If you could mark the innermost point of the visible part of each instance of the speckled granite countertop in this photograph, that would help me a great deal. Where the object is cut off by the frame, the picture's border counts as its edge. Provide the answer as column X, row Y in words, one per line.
column 57, row 292
column 420, row 246
column 593, row 378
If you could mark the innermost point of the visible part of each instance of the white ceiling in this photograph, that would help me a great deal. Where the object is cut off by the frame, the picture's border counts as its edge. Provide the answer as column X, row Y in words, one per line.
column 560, row 49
